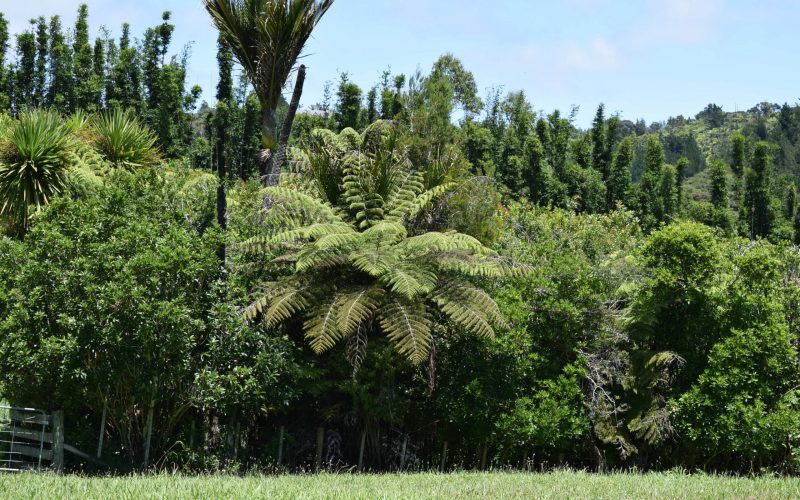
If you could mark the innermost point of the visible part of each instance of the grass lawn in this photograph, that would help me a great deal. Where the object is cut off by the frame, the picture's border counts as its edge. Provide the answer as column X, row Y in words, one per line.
column 461, row 485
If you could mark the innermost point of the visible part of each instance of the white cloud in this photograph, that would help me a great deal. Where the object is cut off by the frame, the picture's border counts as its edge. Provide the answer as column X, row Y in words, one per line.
column 600, row 54
column 681, row 21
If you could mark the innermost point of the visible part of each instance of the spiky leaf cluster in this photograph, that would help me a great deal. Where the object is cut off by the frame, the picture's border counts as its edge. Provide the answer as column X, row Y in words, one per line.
column 35, row 158
column 123, row 140
column 352, row 261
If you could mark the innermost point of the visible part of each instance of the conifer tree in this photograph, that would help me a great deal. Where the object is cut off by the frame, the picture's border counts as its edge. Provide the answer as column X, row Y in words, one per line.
column 98, row 74
column 738, row 154
column 797, row 228
column 620, row 178
column 40, row 75
column 681, row 167
column 61, row 90
column 24, row 84
column 558, row 149
column 82, row 61
column 719, row 185
column 112, row 59
column 372, row 105
column 790, row 204
column 599, row 141
column 126, row 75
column 5, row 99
column 348, row 104
column 738, row 162
column 756, row 213
column 650, row 198
column 668, row 190
column 537, row 174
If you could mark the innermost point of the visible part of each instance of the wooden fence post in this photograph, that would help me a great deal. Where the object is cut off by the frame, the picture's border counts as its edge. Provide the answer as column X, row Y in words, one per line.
column 102, row 432
column 403, row 454
column 444, row 457
column 484, row 452
column 320, row 442
column 58, row 441
column 281, row 433
column 361, row 450
column 148, row 434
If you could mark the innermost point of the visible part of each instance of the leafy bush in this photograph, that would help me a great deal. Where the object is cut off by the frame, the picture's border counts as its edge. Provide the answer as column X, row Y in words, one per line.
column 110, row 301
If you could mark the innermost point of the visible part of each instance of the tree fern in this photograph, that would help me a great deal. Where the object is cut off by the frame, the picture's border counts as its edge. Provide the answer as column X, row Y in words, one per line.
column 351, row 234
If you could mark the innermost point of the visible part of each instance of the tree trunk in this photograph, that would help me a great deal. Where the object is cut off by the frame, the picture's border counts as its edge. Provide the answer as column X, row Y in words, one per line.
column 269, row 125
column 222, row 198
column 286, row 129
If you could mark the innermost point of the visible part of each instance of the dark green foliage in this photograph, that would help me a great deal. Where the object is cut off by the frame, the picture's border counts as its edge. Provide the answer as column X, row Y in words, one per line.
column 5, row 90
column 719, row 185
column 465, row 90
column 24, row 84
column 82, row 331
column 620, row 177
column 126, row 75
column 654, row 186
column 599, row 156
column 347, row 112
column 61, row 92
column 40, row 74
column 756, row 212
column 738, row 158
column 84, row 84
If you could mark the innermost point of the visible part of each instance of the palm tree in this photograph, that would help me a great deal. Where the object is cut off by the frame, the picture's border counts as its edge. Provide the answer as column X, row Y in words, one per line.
column 351, row 259
column 267, row 37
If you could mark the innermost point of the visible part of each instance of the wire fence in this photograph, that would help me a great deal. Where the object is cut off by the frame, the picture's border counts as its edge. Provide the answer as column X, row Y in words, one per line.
column 30, row 439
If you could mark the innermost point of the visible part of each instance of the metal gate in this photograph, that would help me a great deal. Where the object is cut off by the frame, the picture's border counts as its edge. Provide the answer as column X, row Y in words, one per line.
column 29, row 440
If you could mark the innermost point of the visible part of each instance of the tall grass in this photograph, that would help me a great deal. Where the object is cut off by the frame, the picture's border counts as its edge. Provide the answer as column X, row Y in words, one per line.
column 559, row 484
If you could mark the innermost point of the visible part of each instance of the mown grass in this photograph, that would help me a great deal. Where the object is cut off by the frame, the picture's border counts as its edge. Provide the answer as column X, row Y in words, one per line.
column 560, row 484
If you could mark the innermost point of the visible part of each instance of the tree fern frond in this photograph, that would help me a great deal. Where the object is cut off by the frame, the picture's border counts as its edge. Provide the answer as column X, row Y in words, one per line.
column 284, row 305
column 303, row 201
column 312, row 257
column 410, row 281
column 356, row 307
column 470, row 265
column 424, row 200
column 464, row 294
column 386, row 232
column 321, row 328
column 374, row 261
column 407, row 325
column 312, row 232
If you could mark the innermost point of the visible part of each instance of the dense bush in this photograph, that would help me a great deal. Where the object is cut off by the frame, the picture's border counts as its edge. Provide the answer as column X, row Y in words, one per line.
column 109, row 302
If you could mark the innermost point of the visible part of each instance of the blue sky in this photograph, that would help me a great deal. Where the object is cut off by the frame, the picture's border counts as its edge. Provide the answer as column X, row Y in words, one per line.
column 645, row 59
